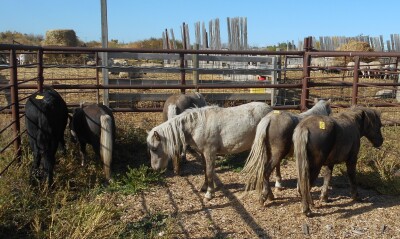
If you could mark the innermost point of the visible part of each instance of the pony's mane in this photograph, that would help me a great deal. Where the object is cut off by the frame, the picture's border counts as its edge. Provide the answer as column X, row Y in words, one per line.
column 172, row 130
column 356, row 114
column 319, row 108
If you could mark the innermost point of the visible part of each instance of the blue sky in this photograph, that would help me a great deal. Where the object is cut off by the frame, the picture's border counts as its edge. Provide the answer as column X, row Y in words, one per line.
column 269, row 22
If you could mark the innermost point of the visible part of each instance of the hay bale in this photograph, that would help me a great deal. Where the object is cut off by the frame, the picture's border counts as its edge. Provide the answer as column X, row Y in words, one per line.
column 355, row 46
column 61, row 38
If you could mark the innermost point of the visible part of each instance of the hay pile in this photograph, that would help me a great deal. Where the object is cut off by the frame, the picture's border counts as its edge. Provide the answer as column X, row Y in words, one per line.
column 355, row 46
column 61, row 38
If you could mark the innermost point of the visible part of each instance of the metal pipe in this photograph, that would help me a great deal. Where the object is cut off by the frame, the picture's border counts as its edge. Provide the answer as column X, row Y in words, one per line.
column 15, row 103
column 355, row 80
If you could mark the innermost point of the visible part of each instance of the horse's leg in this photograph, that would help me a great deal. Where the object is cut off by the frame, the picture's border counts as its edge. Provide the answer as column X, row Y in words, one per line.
column 269, row 167
column 278, row 177
column 48, row 165
column 82, row 153
column 210, row 167
column 351, row 172
column 204, row 186
column 36, row 163
column 327, row 179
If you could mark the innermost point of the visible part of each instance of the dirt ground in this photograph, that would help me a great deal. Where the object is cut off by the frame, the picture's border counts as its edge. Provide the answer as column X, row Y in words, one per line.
column 234, row 213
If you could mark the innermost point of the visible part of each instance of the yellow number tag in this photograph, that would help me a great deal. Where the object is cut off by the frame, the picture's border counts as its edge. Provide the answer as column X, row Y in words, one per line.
column 277, row 112
column 322, row 125
column 39, row 97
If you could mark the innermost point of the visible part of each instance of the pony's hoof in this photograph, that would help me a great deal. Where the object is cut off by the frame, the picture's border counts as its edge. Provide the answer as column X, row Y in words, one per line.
column 356, row 199
column 262, row 200
column 308, row 213
column 271, row 196
column 208, row 196
column 324, row 199
column 203, row 188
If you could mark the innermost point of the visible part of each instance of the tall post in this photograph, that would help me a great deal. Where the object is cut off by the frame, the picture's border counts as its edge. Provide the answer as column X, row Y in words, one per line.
column 195, row 60
column 15, row 103
column 306, row 74
column 354, row 94
column 274, row 81
column 104, row 44
column 182, row 69
column 40, row 70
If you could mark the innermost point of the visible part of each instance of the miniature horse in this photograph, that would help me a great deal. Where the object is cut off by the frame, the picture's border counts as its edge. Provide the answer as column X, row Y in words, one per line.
column 173, row 106
column 46, row 117
column 272, row 143
column 211, row 131
column 95, row 125
column 326, row 141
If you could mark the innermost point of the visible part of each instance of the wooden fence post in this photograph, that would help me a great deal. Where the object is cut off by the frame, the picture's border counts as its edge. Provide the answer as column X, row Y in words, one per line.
column 195, row 60
column 182, row 69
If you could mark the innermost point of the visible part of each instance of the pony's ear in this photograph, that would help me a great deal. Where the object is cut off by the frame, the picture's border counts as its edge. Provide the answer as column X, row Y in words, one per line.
column 316, row 100
column 157, row 136
column 329, row 101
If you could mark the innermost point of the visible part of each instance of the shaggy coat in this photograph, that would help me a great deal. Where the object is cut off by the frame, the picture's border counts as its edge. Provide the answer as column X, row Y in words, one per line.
column 326, row 141
column 46, row 117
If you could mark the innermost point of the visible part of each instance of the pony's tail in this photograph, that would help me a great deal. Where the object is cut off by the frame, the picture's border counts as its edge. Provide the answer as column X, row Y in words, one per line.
column 300, row 140
column 171, row 111
column 106, row 143
column 258, row 157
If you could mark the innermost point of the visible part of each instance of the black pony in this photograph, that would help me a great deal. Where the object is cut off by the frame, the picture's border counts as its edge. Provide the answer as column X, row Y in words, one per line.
column 46, row 116
column 95, row 125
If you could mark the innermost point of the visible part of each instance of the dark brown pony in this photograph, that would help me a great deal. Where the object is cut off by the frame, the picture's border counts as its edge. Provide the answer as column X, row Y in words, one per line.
column 272, row 143
column 326, row 141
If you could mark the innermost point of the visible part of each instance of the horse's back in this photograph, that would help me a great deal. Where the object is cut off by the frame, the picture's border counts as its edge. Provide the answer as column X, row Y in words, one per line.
column 46, row 111
column 93, row 113
column 233, row 128
column 325, row 138
column 281, row 127
column 86, row 123
column 182, row 102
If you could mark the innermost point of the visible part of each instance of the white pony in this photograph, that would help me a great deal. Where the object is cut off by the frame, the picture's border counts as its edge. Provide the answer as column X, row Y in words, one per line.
column 210, row 130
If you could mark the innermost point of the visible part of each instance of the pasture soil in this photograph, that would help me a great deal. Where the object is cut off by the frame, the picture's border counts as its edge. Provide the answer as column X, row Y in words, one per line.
column 234, row 213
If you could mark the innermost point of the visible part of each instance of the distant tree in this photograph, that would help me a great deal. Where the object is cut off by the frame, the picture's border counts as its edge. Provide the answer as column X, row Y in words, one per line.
column 13, row 37
column 283, row 46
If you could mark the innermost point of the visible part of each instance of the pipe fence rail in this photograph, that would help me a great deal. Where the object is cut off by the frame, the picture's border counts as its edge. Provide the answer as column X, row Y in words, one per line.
column 139, row 80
